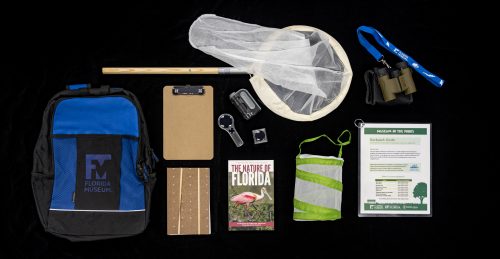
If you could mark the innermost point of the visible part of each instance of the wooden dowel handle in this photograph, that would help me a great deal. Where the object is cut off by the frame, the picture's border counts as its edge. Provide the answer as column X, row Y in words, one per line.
column 160, row 70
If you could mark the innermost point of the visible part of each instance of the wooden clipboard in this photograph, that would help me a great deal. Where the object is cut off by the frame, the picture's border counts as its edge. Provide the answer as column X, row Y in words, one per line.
column 188, row 122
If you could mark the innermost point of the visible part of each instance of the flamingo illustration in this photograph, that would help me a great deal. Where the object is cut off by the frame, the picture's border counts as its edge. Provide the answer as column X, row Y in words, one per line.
column 248, row 198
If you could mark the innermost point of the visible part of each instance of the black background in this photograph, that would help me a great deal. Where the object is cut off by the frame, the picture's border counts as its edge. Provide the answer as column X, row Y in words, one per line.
column 48, row 47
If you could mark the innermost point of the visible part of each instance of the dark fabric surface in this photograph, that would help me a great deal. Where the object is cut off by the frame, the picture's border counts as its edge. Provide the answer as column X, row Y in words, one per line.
column 57, row 45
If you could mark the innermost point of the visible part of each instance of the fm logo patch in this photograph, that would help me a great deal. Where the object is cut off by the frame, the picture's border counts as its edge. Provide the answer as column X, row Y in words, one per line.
column 96, row 173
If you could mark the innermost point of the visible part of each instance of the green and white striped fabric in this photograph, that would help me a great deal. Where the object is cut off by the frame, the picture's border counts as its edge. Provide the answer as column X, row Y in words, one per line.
column 318, row 183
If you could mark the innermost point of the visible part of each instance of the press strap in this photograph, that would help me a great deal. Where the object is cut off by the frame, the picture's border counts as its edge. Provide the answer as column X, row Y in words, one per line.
column 382, row 41
column 340, row 142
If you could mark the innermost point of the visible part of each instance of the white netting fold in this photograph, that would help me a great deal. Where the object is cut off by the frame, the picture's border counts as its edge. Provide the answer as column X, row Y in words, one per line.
column 301, row 67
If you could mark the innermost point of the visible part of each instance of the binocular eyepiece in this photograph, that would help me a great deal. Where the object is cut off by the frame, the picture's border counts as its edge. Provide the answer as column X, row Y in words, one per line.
column 397, row 80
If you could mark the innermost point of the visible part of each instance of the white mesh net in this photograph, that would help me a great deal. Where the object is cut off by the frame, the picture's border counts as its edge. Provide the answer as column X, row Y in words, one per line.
column 304, row 69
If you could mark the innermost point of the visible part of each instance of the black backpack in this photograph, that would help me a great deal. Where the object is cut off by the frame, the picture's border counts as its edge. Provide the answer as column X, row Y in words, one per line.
column 93, row 172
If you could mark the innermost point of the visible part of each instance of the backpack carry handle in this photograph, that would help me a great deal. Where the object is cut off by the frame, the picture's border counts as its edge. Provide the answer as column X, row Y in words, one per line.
column 102, row 90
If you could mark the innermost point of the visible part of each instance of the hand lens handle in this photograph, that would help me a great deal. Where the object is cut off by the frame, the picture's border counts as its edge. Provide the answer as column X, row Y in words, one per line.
column 236, row 138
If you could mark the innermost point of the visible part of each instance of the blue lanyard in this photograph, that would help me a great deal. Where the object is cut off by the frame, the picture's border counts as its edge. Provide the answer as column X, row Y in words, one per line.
column 382, row 41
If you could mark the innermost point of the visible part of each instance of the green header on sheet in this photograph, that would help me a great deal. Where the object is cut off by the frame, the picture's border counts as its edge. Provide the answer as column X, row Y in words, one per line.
column 397, row 131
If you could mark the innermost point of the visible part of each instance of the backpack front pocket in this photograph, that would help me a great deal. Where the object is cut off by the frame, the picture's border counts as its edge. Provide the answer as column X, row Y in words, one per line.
column 98, row 172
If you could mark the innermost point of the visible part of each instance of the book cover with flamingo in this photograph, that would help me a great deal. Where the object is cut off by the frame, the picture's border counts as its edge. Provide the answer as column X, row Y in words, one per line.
column 251, row 195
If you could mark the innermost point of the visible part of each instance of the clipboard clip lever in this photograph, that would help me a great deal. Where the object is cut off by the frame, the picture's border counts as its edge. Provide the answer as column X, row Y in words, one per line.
column 188, row 90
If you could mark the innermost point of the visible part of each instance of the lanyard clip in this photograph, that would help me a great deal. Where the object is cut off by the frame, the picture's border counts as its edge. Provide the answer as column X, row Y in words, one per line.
column 382, row 60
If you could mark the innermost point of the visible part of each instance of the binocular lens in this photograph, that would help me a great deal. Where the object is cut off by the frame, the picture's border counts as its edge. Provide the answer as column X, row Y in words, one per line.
column 381, row 72
column 395, row 73
column 402, row 65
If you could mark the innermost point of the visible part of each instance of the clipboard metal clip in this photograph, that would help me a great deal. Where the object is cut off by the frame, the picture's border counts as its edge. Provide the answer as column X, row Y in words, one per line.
column 188, row 90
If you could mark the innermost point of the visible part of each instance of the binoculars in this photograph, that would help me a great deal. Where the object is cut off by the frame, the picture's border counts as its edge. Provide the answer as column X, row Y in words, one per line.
column 397, row 80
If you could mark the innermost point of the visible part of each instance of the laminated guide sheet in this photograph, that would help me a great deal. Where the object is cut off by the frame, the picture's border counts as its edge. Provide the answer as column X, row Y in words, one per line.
column 395, row 169
column 188, row 127
column 188, row 201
